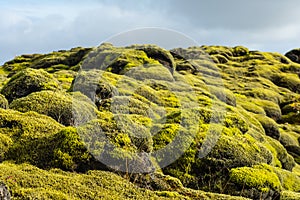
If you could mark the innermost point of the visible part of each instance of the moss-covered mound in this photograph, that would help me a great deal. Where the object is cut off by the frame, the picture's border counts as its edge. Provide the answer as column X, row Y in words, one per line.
column 67, row 109
column 173, row 122
column 52, row 62
column 28, row 81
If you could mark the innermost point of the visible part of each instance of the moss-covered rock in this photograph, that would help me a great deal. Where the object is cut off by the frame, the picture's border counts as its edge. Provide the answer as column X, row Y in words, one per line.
column 291, row 112
column 272, row 109
column 234, row 111
column 27, row 81
column 257, row 182
column 270, row 126
column 60, row 60
column 3, row 102
column 67, row 109
column 19, row 134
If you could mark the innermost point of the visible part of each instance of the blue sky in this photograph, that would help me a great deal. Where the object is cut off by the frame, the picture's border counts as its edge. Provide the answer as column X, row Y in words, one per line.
column 44, row 26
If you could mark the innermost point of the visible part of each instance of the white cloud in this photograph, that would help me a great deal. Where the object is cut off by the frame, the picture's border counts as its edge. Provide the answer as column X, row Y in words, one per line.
column 35, row 26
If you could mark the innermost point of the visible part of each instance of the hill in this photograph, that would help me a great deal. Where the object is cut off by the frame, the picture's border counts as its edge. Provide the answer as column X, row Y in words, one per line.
column 143, row 122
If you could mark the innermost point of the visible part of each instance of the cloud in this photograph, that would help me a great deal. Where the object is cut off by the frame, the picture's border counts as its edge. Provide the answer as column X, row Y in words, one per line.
column 47, row 27
column 35, row 26
column 235, row 15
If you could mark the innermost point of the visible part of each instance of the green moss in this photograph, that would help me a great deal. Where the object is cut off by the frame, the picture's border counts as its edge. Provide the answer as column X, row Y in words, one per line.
column 15, row 124
column 168, row 194
column 288, row 138
column 291, row 112
column 28, row 182
column 260, row 177
column 141, row 93
column 269, row 125
column 265, row 94
column 288, row 80
column 288, row 195
column 219, row 59
column 272, row 109
column 65, row 78
column 165, row 135
column 122, row 60
column 67, row 109
column 153, row 71
column 251, row 107
column 3, row 102
column 59, row 60
column 289, row 180
column 28, row 81
column 19, row 63
column 281, row 158
column 240, row 51
column 5, row 143
column 161, row 55
column 224, row 95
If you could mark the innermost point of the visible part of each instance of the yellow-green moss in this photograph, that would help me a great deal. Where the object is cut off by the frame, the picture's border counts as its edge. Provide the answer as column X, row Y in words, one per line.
column 259, row 177
column 28, row 81
column 67, row 109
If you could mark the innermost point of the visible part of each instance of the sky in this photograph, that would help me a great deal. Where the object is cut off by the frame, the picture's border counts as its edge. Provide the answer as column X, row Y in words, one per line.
column 32, row 26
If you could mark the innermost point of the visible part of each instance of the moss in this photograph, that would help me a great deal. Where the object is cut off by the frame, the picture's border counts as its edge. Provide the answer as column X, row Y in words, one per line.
column 168, row 194
column 220, row 59
column 117, row 60
column 141, row 93
column 3, row 102
column 64, row 149
column 28, row 81
column 165, row 135
column 161, row 55
column 289, row 180
column 251, row 107
column 288, row 195
column 260, row 177
column 265, row 94
column 65, row 78
column 240, row 51
column 95, row 84
column 270, row 126
column 235, row 120
column 209, row 172
column 67, row 109
column 244, row 151
column 69, row 152
column 287, row 80
column 59, row 60
column 220, row 50
column 15, row 124
column 5, row 143
column 281, row 158
column 287, row 139
column 291, row 112
column 294, row 150
column 28, row 182
column 146, row 72
column 224, row 95
column 24, row 136
column 272, row 110
column 184, row 66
